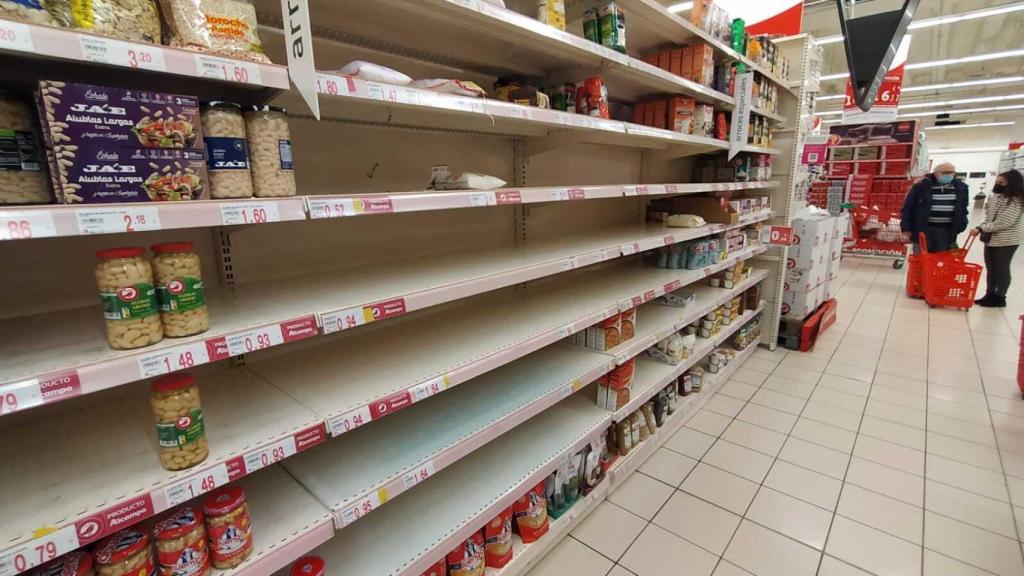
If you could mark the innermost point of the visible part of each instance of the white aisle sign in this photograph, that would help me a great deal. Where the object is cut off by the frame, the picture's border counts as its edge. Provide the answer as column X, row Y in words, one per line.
column 299, row 44
column 739, row 131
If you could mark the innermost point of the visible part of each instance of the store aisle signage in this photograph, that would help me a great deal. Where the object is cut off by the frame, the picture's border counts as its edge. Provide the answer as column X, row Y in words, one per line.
column 739, row 131
column 299, row 46
column 887, row 100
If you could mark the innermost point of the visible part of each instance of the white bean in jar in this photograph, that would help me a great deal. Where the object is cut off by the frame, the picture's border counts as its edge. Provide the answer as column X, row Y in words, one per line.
column 179, row 289
column 270, row 149
column 180, row 432
column 22, row 180
column 125, row 280
column 227, row 151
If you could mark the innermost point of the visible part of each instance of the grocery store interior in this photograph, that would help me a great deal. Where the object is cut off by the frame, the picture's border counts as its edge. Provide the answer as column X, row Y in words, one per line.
column 510, row 288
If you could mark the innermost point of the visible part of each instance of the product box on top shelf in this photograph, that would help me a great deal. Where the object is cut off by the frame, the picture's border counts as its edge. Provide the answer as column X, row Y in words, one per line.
column 711, row 209
column 704, row 120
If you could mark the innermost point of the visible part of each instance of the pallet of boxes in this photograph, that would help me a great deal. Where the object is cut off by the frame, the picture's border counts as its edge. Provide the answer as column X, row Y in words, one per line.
column 811, row 279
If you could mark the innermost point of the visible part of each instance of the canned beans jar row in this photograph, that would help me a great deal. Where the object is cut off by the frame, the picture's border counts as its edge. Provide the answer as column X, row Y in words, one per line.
column 188, row 542
column 144, row 301
column 250, row 153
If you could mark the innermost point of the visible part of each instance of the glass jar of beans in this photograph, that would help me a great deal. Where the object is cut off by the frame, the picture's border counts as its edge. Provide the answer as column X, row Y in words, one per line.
column 179, row 421
column 179, row 289
column 125, row 281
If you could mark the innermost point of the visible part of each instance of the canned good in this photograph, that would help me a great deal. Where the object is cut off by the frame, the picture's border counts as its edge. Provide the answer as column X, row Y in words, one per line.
column 228, row 527
column 181, row 544
column 179, row 289
column 227, row 150
column 125, row 282
column 125, row 553
column 180, row 432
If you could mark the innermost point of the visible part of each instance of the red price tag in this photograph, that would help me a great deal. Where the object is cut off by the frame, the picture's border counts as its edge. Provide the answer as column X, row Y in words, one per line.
column 177, row 358
column 780, row 235
column 331, row 207
column 363, row 507
column 114, row 220
column 418, row 475
column 327, row 84
column 26, row 224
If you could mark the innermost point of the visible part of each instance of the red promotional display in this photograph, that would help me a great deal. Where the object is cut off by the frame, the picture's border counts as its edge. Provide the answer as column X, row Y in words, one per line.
column 772, row 17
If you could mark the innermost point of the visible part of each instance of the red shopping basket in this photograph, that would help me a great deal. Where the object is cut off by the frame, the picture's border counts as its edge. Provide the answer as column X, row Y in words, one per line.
column 948, row 279
column 915, row 276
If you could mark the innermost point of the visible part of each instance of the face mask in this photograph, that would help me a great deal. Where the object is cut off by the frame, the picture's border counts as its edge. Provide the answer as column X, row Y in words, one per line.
column 945, row 179
column 998, row 188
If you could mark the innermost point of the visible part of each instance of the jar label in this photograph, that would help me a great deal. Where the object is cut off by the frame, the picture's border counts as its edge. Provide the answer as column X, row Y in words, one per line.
column 284, row 150
column 226, row 153
column 180, row 294
column 182, row 432
column 229, row 538
column 18, row 151
column 130, row 302
column 191, row 559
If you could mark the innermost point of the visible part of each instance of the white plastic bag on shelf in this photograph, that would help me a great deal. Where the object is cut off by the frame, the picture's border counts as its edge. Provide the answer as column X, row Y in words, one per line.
column 456, row 87
column 684, row 221
column 442, row 179
column 375, row 73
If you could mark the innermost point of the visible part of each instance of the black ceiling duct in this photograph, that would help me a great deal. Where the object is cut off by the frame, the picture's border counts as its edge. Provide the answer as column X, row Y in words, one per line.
column 871, row 44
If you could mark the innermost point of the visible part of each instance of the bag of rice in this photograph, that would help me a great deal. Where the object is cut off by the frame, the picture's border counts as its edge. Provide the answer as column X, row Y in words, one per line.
column 498, row 539
column 456, row 87
column 467, row 559
column 374, row 73
column 221, row 27
column 531, row 513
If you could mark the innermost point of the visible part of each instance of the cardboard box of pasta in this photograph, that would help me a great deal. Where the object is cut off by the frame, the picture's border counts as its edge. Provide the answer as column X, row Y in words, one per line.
column 604, row 335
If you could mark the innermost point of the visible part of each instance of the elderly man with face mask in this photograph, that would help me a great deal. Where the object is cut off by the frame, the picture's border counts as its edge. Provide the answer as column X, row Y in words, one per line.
column 937, row 206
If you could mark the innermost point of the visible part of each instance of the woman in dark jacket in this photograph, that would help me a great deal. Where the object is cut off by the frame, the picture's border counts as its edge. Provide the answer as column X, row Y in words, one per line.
column 937, row 206
column 1002, row 232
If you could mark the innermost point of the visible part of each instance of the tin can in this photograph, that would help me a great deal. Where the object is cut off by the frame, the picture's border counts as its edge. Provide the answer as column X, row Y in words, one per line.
column 228, row 527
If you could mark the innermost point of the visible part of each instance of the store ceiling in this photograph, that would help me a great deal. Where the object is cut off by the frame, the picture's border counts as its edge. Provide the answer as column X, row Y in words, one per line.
column 1000, row 33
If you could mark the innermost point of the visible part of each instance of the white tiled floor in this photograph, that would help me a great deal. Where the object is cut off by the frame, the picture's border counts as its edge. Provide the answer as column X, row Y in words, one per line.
column 895, row 447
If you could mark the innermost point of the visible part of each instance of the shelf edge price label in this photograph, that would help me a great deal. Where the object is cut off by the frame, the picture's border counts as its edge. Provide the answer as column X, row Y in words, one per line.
column 37, row 391
column 16, row 36
column 26, row 224
column 115, row 220
column 119, row 53
column 780, row 235
column 39, row 551
column 629, row 249
column 226, row 69
column 196, row 484
column 343, row 320
column 331, row 208
column 177, row 358
column 418, row 475
column 508, row 197
column 427, row 389
column 270, row 455
column 363, row 507
column 254, row 340
column 249, row 213
column 349, row 421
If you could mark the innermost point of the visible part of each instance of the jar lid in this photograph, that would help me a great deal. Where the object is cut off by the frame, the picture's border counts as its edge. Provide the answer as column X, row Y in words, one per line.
column 77, row 563
column 223, row 501
column 172, row 382
column 266, row 108
column 180, row 522
column 223, row 105
column 171, row 247
column 121, row 546
column 123, row 252
column 309, row 566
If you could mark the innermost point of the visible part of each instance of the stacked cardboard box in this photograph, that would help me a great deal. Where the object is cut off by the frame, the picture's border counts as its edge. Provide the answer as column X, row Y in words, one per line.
column 695, row 63
column 807, row 266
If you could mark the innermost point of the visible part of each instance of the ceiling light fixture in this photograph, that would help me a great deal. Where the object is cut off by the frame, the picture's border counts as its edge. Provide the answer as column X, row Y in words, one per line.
column 979, row 100
column 680, row 7
column 982, row 125
column 946, row 62
column 939, row 21
column 965, row 111
column 945, row 86
column 963, row 150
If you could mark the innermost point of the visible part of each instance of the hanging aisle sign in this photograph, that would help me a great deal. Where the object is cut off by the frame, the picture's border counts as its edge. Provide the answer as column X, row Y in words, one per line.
column 772, row 17
column 887, row 101
column 299, row 45
column 739, row 131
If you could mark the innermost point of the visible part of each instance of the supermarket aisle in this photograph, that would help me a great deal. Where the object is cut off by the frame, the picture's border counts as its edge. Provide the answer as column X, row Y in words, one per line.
column 895, row 447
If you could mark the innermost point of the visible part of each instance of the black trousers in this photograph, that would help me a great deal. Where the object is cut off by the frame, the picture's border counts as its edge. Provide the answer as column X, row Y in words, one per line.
column 939, row 240
column 997, row 267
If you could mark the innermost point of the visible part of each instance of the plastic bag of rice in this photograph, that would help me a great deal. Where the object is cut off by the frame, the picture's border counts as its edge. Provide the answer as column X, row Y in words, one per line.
column 221, row 27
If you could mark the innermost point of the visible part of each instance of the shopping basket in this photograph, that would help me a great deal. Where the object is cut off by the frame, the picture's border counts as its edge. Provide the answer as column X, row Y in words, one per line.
column 915, row 276
column 948, row 279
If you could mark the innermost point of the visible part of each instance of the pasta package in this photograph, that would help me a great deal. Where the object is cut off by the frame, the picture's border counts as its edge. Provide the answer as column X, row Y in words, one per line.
column 498, row 539
column 531, row 514
column 222, row 27
column 467, row 559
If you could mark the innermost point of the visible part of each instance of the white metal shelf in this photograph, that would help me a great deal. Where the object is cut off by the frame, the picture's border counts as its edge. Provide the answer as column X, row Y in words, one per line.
column 387, row 370
column 77, row 48
column 87, row 484
column 375, row 464
column 407, row 536
column 651, row 376
column 56, row 220
column 78, row 361
column 685, row 410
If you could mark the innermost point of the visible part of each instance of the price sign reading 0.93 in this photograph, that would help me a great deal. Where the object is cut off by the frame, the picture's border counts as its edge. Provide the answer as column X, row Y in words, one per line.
column 269, row 455
column 254, row 340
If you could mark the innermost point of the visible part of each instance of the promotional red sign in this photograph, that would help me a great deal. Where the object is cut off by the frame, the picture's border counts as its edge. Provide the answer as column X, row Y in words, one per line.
column 780, row 235
column 772, row 17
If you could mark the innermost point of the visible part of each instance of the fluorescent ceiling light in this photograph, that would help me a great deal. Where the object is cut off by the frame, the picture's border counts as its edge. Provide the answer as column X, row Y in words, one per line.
column 956, row 150
column 982, row 125
column 979, row 100
column 831, row 121
column 966, row 111
column 943, row 20
column 945, row 86
column 833, row 97
column 680, row 7
column 829, row 113
column 946, row 62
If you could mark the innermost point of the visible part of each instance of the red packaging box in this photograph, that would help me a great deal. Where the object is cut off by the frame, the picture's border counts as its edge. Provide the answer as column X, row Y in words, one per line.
column 676, row 62
column 841, row 169
column 651, row 59
column 686, row 67
column 660, row 112
column 703, row 64
column 896, row 168
column 867, row 168
column 897, row 151
column 649, row 114
column 638, row 112
column 680, row 114
column 665, row 59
